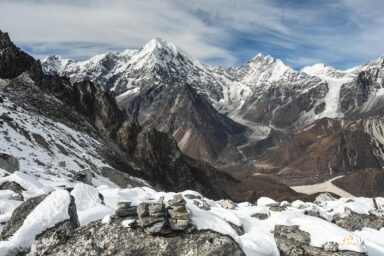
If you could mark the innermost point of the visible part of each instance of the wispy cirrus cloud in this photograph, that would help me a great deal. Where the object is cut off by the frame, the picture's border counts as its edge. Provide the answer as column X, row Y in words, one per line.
column 339, row 32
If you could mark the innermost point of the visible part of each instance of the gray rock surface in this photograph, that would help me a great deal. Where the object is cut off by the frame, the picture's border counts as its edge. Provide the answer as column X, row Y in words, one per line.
column 114, row 239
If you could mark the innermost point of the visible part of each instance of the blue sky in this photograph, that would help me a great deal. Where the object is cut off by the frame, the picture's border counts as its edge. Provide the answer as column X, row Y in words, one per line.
column 341, row 33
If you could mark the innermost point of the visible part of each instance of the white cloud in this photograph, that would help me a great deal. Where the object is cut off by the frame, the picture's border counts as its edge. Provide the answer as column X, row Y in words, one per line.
column 119, row 24
column 342, row 31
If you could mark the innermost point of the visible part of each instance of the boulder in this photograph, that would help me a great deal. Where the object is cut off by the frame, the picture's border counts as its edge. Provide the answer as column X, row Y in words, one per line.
column 125, row 210
column 331, row 247
column 84, row 176
column 324, row 197
column 291, row 241
column 202, row 204
column 15, row 187
column 114, row 239
column 190, row 196
column 379, row 213
column 9, row 163
column 260, row 216
column 354, row 221
column 19, row 215
column 61, row 230
column 228, row 204
column 277, row 207
column 239, row 229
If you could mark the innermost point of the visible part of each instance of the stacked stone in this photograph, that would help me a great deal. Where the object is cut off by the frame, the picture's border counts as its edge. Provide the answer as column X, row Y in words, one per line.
column 124, row 209
column 152, row 216
column 178, row 216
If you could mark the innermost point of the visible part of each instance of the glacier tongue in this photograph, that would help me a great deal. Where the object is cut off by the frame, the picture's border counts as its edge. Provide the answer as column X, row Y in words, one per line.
column 335, row 80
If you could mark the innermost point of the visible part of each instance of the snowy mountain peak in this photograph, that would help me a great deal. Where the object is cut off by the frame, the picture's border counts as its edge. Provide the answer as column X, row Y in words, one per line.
column 319, row 69
column 264, row 69
column 54, row 63
column 261, row 56
column 160, row 44
column 376, row 63
column 158, row 52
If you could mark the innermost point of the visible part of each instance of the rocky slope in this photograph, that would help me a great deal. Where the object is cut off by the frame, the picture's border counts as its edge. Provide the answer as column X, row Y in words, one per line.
column 366, row 182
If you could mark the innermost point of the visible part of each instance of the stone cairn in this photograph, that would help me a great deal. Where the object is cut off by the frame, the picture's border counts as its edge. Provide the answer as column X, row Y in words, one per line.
column 152, row 217
column 155, row 218
column 178, row 215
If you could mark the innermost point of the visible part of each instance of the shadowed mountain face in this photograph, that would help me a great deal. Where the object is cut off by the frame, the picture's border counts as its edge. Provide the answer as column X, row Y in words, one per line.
column 327, row 147
column 201, row 132
column 368, row 182
column 262, row 117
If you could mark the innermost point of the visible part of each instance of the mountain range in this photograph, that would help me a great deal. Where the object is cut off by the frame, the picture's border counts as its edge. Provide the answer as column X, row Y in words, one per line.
column 262, row 117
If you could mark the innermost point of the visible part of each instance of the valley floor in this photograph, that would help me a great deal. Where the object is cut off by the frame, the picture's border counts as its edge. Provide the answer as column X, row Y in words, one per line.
column 326, row 186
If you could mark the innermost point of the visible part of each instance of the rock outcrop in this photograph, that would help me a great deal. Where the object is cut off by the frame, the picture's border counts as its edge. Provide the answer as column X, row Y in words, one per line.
column 353, row 221
column 13, row 61
column 115, row 239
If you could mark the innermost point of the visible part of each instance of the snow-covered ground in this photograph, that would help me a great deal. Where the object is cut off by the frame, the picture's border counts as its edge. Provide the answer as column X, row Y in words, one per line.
column 45, row 147
column 258, row 236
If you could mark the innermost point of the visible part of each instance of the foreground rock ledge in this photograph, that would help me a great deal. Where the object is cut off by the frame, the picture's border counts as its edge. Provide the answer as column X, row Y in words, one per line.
column 115, row 239
column 292, row 241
